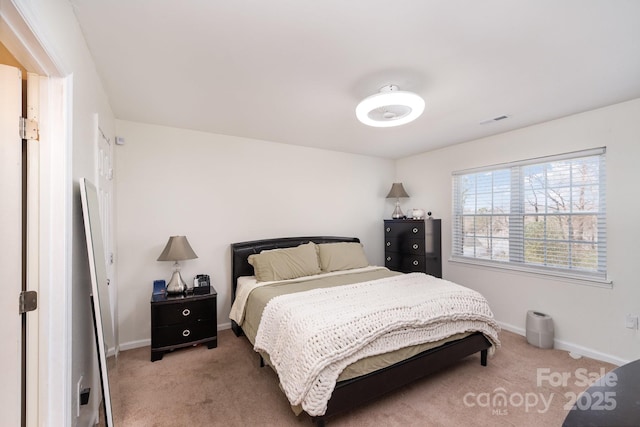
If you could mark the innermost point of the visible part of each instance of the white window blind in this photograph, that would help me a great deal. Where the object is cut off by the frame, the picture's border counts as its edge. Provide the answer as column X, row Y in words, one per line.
column 546, row 215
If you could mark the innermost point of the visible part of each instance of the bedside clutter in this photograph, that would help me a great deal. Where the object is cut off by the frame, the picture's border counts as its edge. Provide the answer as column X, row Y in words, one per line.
column 200, row 290
column 201, row 284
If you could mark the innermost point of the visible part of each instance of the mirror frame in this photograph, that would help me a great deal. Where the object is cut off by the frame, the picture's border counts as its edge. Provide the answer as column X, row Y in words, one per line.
column 99, row 291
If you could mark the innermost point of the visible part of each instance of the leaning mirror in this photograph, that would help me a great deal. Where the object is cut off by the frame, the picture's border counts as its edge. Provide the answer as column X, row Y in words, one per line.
column 100, row 302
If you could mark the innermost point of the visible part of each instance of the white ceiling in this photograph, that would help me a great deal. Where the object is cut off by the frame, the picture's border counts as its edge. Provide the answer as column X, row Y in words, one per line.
column 293, row 71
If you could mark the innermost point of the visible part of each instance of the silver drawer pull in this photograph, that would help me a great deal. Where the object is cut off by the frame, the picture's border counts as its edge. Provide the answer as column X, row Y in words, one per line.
column 388, row 229
column 415, row 230
column 388, row 258
column 415, row 262
column 186, row 333
column 416, row 246
column 186, row 312
column 388, row 243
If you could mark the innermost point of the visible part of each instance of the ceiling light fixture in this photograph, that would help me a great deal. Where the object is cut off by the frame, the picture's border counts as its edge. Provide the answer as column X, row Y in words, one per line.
column 390, row 107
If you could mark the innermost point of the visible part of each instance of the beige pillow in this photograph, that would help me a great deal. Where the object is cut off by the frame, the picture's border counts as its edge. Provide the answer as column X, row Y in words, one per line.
column 341, row 256
column 288, row 263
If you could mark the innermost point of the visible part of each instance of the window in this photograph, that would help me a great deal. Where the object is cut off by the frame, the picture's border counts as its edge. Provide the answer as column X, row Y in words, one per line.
column 545, row 215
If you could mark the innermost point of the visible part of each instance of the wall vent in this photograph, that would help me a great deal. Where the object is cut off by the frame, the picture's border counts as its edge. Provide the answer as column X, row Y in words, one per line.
column 494, row 119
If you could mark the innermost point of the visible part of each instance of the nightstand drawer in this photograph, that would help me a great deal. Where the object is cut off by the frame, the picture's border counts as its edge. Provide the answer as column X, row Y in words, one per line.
column 169, row 336
column 172, row 314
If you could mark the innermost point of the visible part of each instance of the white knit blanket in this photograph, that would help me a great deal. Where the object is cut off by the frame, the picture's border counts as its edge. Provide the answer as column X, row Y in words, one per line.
column 312, row 336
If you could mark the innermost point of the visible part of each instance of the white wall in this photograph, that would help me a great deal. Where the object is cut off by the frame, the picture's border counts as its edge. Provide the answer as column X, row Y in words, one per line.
column 585, row 316
column 218, row 190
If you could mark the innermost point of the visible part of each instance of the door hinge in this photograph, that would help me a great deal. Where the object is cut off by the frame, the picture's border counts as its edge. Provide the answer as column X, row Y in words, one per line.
column 28, row 301
column 29, row 129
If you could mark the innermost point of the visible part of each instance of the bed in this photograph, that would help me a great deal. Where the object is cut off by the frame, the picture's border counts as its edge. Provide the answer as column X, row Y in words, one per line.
column 359, row 386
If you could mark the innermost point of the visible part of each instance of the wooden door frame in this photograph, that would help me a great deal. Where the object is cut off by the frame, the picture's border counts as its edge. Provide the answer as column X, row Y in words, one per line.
column 18, row 32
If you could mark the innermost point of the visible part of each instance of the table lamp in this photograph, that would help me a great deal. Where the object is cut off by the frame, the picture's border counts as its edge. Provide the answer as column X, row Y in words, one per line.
column 177, row 249
column 397, row 191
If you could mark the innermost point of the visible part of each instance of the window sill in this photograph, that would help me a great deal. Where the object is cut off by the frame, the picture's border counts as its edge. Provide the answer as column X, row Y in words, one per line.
column 576, row 279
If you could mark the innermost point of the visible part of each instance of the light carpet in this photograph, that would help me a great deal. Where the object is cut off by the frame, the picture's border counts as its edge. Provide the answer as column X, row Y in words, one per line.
column 521, row 386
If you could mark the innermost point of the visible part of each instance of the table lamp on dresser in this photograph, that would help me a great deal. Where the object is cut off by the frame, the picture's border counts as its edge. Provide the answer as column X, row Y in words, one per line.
column 397, row 191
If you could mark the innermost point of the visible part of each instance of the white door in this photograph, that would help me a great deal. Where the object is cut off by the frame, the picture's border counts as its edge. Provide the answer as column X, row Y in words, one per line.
column 11, row 238
column 105, row 141
column 33, row 250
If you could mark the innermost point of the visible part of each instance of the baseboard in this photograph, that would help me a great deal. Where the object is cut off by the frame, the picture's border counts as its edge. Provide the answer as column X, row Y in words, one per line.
column 511, row 328
column 224, row 326
column 571, row 347
column 146, row 343
column 135, row 344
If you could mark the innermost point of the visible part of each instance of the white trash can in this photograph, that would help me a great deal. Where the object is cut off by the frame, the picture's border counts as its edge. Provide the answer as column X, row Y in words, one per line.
column 539, row 329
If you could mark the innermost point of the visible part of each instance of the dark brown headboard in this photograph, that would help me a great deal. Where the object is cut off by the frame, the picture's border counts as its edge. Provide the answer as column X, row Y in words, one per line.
column 240, row 255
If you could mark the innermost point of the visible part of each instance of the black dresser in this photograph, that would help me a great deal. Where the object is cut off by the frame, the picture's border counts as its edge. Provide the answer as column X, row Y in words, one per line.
column 413, row 245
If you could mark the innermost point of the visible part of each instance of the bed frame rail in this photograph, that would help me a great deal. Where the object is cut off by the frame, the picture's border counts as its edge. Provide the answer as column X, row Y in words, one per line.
column 357, row 391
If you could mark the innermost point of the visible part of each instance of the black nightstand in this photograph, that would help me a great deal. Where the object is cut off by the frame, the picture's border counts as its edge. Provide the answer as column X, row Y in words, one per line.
column 183, row 320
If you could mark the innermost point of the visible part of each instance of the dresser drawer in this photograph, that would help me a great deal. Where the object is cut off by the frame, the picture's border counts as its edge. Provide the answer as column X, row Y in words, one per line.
column 404, row 229
column 169, row 336
column 172, row 314
column 405, row 263
column 392, row 261
column 404, row 246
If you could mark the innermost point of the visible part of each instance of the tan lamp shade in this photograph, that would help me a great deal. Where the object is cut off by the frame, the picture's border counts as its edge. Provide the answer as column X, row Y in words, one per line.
column 177, row 249
column 397, row 190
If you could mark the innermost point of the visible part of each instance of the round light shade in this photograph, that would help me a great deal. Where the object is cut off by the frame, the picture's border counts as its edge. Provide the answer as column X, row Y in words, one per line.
column 390, row 107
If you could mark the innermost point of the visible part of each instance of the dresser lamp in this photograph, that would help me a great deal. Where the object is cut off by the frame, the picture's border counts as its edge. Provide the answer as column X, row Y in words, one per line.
column 177, row 249
column 397, row 191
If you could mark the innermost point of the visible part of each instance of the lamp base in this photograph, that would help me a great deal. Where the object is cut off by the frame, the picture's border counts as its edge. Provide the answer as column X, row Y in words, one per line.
column 397, row 212
column 176, row 285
